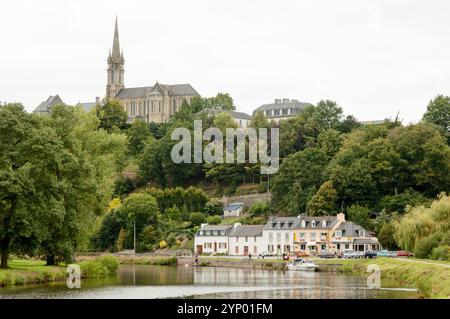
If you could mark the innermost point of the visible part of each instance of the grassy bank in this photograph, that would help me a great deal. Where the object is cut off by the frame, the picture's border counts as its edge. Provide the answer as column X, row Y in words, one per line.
column 24, row 272
column 136, row 259
column 432, row 279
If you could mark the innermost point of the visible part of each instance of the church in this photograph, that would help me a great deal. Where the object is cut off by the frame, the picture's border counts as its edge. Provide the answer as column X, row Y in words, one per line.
column 155, row 103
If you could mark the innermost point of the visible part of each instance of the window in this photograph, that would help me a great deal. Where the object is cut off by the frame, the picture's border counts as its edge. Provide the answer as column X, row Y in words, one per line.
column 276, row 112
column 347, row 246
column 159, row 105
column 312, row 236
column 254, row 239
column 246, row 239
column 302, row 235
column 270, row 237
column 285, row 111
column 255, row 249
column 286, row 237
column 303, row 224
column 324, row 224
column 174, row 105
column 338, row 233
column 313, row 223
column 236, row 249
column 302, row 247
column 278, row 237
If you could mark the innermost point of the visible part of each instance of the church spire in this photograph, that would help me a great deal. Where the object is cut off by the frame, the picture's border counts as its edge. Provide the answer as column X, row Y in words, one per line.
column 116, row 44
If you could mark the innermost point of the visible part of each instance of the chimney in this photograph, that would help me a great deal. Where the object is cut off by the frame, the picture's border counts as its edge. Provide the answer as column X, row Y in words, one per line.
column 203, row 225
column 277, row 101
column 97, row 99
column 340, row 217
column 236, row 225
column 285, row 100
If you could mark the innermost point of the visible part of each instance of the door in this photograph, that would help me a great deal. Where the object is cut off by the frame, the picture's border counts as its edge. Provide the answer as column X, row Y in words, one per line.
column 245, row 250
column 199, row 249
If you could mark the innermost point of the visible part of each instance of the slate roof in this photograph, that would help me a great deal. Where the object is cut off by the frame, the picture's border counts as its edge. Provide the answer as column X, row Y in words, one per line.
column 330, row 222
column 45, row 106
column 282, row 105
column 143, row 92
column 225, row 228
column 282, row 223
column 233, row 206
column 247, row 231
column 349, row 229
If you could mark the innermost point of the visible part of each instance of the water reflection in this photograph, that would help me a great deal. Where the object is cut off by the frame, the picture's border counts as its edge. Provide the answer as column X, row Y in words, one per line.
column 136, row 281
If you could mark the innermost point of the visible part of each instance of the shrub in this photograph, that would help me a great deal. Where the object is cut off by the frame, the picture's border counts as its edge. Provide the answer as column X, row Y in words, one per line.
column 212, row 208
column 197, row 218
column 425, row 246
column 123, row 186
column 110, row 262
column 93, row 269
column 162, row 244
column 259, row 209
column 441, row 253
column 214, row 220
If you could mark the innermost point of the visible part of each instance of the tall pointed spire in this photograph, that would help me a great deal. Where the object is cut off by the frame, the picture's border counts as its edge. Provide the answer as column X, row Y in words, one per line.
column 116, row 44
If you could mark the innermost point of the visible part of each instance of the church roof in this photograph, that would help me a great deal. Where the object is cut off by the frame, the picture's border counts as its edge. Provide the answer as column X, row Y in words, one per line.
column 87, row 106
column 143, row 92
column 45, row 106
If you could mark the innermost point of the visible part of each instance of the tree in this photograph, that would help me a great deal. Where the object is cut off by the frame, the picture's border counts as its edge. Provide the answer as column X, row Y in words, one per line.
column 349, row 124
column 197, row 218
column 222, row 100
column 259, row 121
column 386, row 236
column 438, row 112
column 259, row 209
column 324, row 201
column 112, row 115
column 213, row 207
column 299, row 177
column 359, row 215
column 214, row 220
column 140, row 209
column 138, row 134
column 327, row 115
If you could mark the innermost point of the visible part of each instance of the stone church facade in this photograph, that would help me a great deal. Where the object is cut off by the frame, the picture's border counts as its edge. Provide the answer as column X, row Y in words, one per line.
column 155, row 103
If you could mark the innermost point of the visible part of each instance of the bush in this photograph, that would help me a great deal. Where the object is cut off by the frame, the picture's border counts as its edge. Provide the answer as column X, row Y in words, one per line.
column 259, row 209
column 110, row 262
column 425, row 246
column 162, row 244
column 123, row 186
column 93, row 269
column 214, row 220
column 441, row 253
column 197, row 219
column 212, row 208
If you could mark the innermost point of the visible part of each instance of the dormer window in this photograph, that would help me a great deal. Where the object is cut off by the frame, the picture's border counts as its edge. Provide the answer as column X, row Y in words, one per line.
column 303, row 224
column 290, row 225
column 313, row 223
column 324, row 224
column 338, row 233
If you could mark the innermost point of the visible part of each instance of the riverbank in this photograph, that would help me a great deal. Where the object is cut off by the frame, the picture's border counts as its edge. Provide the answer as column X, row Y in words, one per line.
column 25, row 272
column 432, row 279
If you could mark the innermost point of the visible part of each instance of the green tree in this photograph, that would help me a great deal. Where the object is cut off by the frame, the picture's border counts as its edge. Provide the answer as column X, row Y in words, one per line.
column 438, row 112
column 259, row 121
column 327, row 115
column 386, row 236
column 112, row 115
column 214, row 220
column 260, row 209
column 360, row 215
column 197, row 218
column 213, row 207
column 324, row 201
column 138, row 134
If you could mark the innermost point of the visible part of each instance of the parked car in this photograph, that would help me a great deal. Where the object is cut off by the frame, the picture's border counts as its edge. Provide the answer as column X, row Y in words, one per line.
column 301, row 254
column 370, row 254
column 264, row 254
column 387, row 253
column 403, row 253
column 349, row 254
column 359, row 254
column 327, row 254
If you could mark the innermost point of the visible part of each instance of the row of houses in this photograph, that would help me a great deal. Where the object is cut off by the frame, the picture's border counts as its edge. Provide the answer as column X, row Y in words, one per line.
column 285, row 235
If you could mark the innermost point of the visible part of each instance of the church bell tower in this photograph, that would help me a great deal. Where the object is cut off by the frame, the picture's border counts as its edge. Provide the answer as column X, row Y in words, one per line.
column 116, row 70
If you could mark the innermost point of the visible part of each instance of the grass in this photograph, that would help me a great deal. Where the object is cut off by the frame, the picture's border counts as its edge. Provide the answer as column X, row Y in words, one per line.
column 24, row 272
column 158, row 261
column 432, row 279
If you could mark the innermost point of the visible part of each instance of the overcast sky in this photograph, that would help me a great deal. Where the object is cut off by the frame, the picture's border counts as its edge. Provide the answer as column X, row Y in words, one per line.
column 374, row 58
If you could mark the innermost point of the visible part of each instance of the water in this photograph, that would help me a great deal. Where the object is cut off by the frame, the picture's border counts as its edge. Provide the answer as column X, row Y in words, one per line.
column 136, row 281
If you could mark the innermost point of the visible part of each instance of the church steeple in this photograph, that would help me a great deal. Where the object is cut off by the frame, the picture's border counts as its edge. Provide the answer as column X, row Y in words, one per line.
column 116, row 63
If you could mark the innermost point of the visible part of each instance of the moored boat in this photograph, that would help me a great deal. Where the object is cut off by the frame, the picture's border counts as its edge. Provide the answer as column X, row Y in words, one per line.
column 303, row 265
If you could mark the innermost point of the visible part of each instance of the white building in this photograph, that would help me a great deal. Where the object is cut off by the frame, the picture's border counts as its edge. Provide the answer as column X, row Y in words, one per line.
column 282, row 109
column 212, row 239
column 241, row 119
column 233, row 210
column 278, row 235
column 246, row 240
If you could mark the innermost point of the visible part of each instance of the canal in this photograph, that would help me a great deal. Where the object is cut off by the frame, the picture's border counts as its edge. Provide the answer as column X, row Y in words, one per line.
column 137, row 281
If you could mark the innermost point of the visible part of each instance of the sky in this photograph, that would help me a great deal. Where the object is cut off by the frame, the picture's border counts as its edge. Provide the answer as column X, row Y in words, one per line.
column 374, row 58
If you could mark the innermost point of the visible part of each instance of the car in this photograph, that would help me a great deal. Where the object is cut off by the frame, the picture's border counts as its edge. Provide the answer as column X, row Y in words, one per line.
column 327, row 254
column 387, row 253
column 301, row 254
column 370, row 254
column 359, row 254
column 265, row 254
column 349, row 254
column 403, row 253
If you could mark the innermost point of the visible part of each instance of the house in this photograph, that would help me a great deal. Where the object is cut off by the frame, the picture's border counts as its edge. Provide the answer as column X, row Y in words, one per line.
column 246, row 240
column 282, row 109
column 212, row 239
column 241, row 119
column 45, row 107
column 278, row 234
column 313, row 233
column 354, row 237
column 233, row 210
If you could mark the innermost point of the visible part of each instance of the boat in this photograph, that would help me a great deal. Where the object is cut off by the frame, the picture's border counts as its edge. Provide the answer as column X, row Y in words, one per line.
column 303, row 265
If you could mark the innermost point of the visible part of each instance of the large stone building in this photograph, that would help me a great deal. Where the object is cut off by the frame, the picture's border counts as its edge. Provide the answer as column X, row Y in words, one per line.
column 282, row 109
column 155, row 103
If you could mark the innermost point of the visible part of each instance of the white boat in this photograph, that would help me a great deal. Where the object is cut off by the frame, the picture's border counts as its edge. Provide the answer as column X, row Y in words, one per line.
column 302, row 264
